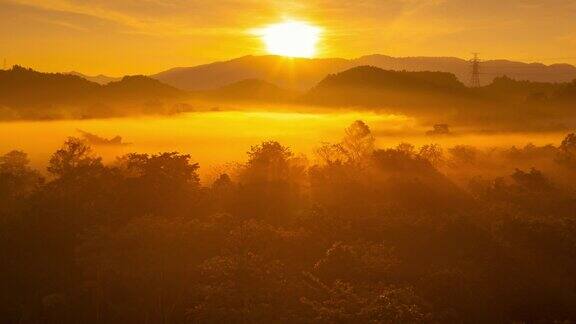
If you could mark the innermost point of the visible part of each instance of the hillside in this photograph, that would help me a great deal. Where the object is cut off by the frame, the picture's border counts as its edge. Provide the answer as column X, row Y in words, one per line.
column 508, row 89
column 490, row 69
column 139, row 87
column 25, row 93
column 370, row 86
column 302, row 74
column 439, row 97
column 294, row 73
column 25, row 87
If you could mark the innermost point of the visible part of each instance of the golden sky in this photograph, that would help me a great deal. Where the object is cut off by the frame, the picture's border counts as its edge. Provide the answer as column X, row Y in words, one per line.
column 117, row 37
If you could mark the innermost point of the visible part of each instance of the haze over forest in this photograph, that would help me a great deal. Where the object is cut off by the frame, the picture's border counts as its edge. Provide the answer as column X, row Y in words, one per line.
column 153, row 172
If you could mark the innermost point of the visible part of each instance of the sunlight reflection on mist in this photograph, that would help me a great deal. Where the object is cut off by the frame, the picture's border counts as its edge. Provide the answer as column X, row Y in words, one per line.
column 213, row 138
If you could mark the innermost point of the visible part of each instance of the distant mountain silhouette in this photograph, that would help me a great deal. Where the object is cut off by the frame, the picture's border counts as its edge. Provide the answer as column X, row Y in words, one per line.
column 100, row 79
column 370, row 86
column 251, row 90
column 289, row 73
column 505, row 88
column 490, row 69
column 31, row 94
column 139, row 87
column 302, row 74
column 439, row 97
column 20, row 86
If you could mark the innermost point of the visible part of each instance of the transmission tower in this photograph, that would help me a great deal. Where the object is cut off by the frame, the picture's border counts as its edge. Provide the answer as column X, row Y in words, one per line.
column 475, row 77
column 5, row 66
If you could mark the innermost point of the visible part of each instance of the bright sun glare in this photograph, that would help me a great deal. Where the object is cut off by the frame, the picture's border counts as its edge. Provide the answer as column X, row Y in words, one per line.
column 291, row 38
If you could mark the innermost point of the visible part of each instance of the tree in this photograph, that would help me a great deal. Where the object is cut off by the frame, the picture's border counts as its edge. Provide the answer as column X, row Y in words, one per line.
column 567, row 151
column 269, row 161
column 533, row 180
column 173, row 168
column 432, row 153
column 270, row 182
column 331, row 153
column 165, row 183
column 358, row 141
column 406, row 149
column 74, row 157
column 17, row 179
column 463, row 154
column 14, row 162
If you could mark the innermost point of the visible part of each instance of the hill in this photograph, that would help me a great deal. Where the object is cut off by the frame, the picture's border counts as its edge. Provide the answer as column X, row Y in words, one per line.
column 139, row 87
column 491, row 69
column 370, row 86
column 296, row 73
column 26, row 93
column 439, row 97
column 302, row 74
column 20, row 87
column 508, row 89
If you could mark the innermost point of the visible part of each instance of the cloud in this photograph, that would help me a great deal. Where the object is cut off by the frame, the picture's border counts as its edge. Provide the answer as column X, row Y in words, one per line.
column 181, row 17
column 154, row 17
column 24, row 17
column 184, row 31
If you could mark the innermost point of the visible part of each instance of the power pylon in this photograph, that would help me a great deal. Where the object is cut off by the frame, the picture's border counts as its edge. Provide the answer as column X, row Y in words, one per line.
column 475, row 77
column 5, row 66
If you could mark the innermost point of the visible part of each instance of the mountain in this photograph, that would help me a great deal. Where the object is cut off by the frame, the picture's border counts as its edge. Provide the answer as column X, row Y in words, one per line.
column 100, row 79
column 251, row 90
column 508, row 89
column 440, row 98
column 25, row 87
column 25, row 93
column 289, row 73
column 302, row 74
column 490, row 69
column 370, row 86
column 139, row 87
column 20, row 87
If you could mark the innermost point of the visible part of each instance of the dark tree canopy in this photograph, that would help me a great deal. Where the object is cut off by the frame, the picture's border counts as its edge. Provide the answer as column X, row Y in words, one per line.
column 362, row 234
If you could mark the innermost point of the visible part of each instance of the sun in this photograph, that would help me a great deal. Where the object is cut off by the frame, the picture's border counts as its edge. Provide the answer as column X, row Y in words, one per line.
column 291, row 39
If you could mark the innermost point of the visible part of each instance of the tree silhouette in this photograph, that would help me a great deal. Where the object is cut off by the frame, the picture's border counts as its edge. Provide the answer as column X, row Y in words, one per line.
column 358, row 141
column 74, row 157
column 365, row 234
column 567, row 151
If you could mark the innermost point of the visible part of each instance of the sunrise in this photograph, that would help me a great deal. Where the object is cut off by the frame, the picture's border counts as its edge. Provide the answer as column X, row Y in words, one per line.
column 291, row 39
column 296, row 161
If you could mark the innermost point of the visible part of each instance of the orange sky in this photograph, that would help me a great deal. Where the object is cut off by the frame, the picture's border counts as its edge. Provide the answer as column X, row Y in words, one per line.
column 117, row 37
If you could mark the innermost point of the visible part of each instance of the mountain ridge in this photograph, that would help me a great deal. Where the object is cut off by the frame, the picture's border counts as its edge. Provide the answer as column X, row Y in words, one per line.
column 29, row 94
column 370, row 86
column 100, row 78
column 302, row 74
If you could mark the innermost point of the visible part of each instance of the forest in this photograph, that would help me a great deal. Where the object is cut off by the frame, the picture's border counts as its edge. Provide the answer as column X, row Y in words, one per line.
column 353, row 234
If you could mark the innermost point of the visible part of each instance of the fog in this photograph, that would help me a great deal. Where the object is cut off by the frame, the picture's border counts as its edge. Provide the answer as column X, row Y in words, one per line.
column 215, row 138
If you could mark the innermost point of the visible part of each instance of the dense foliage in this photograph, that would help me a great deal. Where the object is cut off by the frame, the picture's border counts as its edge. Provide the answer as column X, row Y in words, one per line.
column 357, row 234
